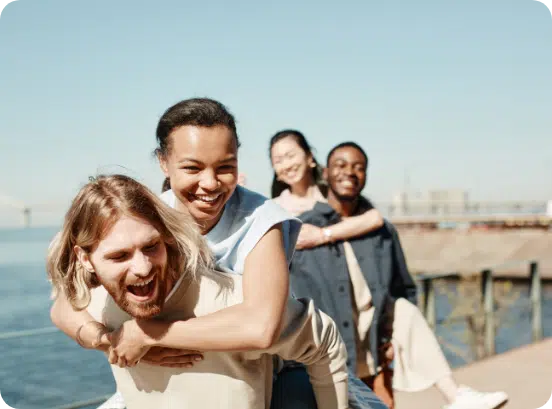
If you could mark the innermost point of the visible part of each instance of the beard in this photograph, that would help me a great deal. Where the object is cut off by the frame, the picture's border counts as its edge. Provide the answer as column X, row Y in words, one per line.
column 140, row 310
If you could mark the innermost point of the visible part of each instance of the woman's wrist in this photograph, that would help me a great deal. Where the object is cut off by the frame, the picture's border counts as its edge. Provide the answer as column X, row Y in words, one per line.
column 90, row 333
column 327, row 234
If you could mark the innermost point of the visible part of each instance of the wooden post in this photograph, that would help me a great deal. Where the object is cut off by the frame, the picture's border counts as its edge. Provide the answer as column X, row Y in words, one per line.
column 472, row 337
column 488, row 307
column 536, row 300
column 429, row 303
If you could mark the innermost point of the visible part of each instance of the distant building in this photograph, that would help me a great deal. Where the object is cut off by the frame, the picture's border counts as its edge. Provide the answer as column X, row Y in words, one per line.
column 431, row 202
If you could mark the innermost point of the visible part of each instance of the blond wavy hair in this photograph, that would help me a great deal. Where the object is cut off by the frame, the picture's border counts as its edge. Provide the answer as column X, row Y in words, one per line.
column 93, row 212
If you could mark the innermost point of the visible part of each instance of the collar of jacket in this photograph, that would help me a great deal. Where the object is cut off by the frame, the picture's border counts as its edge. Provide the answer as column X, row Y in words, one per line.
column 332, row 215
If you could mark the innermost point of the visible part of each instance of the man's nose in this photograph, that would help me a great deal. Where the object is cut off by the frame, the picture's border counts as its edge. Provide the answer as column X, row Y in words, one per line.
column 141, row 265
column 349, row 170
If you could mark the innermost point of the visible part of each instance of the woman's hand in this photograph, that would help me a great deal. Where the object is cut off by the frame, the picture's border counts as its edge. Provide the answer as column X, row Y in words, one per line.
column 170, row 357
column 129, row 344
column 310, row 236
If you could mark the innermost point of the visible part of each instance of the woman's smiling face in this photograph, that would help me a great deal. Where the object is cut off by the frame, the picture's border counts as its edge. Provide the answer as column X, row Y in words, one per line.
column 202, row 164
column 290, row 162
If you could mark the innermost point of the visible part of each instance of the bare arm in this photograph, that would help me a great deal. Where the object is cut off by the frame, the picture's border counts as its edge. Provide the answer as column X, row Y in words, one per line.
column 311, row 337
column 355, row 226
column 93, row 336
column 69, row 321
column 253, row 324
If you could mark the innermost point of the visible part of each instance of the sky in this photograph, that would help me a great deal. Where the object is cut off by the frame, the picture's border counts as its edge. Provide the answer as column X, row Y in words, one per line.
column 441, row 93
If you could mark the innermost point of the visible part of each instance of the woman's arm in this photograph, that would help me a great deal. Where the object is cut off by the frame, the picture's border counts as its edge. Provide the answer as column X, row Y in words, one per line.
column 253, row 324
column 69, row 321
column 355, row 226
column 311, row 337
column 93, row 335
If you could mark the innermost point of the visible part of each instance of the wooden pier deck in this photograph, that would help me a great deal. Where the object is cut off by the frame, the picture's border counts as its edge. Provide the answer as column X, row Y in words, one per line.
column 525, row 374
column 469, row 252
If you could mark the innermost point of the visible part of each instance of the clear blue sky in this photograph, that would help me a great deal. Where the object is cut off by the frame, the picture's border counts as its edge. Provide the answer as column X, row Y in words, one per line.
column 456, row 93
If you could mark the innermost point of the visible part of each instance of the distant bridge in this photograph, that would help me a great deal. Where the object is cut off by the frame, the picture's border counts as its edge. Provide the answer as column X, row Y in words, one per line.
column 491, row 214
column 25, row 209
column 434, row 214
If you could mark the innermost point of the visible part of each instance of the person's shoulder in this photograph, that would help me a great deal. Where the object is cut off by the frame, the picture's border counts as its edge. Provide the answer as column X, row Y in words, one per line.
column 386, row 232
column 253, row 215
column 250, row 203
column 282, row 199
column 247, row 200
column 365, row 204
column 169, row 198
column 285, row 193
column 321, row 211
column 104, row 309
column 390, row 227
column 218, row 290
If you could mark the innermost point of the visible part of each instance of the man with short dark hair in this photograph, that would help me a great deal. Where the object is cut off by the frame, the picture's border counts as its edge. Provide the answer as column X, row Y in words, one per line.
column 365, row 286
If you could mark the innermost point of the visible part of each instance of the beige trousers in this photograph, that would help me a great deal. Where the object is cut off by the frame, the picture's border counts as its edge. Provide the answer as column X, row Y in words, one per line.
column 419, row 361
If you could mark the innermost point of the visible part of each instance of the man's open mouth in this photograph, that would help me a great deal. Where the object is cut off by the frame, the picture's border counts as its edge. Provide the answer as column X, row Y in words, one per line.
column 143, row 290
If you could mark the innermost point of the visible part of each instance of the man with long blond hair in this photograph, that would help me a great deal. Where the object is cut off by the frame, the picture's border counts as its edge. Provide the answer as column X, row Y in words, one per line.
column 127, row 258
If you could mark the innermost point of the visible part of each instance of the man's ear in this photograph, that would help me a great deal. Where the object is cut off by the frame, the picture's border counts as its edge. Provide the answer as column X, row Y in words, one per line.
column 83, row 258
column 163, row 164
column 325, row 174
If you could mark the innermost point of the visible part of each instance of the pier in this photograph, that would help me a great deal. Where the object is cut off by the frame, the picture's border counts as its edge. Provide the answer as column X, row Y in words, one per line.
column 525, row 374
column 488, row 215
column 467, row 252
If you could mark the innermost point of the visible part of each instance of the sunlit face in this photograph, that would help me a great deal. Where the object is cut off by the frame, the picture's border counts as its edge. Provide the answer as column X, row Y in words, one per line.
column 346, row 173
column 291, row 164
column 131, row 263
column 202, row 165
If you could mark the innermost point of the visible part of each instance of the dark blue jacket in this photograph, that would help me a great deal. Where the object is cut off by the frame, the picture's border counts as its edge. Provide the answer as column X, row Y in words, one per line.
column 321, row 273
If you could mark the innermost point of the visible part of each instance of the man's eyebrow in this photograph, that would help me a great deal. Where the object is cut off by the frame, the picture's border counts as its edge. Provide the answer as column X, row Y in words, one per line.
column 115, row 252
column 150, row 240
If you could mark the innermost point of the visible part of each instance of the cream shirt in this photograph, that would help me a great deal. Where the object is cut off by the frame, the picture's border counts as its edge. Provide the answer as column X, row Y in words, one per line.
column 231, row 380
column 297, row 204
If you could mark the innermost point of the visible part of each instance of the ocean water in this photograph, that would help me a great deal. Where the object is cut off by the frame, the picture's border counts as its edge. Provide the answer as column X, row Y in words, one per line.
column 49, row 371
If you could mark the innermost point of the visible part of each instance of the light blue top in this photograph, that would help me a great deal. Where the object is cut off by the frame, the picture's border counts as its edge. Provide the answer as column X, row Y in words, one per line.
column 246, row 217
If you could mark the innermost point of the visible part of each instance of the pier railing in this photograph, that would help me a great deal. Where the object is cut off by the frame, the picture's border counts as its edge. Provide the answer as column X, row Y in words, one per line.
column 436, row 207
column 488, row 276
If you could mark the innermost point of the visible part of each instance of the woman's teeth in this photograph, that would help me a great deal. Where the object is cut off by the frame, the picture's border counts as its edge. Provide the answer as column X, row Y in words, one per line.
column 207, row 198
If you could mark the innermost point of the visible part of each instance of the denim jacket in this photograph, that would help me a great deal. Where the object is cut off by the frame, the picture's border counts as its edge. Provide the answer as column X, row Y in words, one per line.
column 321, row 273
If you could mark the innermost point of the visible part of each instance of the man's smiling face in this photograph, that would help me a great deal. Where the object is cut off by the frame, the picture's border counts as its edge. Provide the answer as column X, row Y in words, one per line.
column 346, row 173
column 131, row 263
